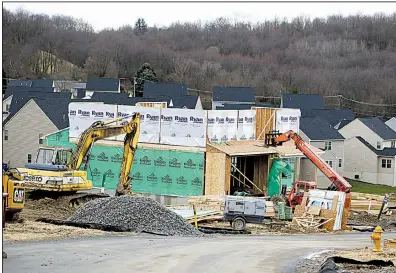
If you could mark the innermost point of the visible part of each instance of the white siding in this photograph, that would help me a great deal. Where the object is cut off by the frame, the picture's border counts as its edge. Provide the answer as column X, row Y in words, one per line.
column 357, row 128
column 23, row 134
column 6, row 102
column 385, row 175
column 361, row 161
column 333, row 155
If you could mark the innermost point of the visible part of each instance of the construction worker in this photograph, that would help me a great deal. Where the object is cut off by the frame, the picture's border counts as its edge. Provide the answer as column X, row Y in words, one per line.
column 5, row 195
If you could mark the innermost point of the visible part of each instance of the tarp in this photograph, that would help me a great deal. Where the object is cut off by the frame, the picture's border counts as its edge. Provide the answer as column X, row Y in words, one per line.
column 222, row 125
column 288, row 119
column 246, row 125
column 183, row 127
column 149, row 122
column 274, row 178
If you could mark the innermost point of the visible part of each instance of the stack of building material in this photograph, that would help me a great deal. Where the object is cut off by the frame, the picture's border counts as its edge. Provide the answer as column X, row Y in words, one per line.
column 269, row 209
column 207, row 202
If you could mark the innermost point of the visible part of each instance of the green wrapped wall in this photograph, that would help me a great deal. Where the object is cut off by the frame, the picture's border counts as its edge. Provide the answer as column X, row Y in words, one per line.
column 164, row 172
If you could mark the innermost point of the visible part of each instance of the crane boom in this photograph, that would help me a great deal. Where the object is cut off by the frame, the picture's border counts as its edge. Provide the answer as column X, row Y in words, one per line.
column 333, row 176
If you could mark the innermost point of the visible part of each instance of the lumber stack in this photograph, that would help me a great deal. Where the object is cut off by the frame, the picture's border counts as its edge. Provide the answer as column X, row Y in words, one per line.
column 365, row 205
column 269, row 209
column 207, row 202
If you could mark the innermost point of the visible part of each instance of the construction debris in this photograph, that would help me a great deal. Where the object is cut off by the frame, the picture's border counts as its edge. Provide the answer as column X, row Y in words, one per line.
column 139, row 214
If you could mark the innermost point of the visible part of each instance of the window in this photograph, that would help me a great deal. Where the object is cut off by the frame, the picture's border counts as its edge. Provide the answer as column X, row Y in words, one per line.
column 330, row 163
column 29, row 158
column 386, row 163
column 378, row 145
column 5, row 134
column 393, row 144
column 45, row 156
column 40, row 140
column 340, row 163
column 328, row 146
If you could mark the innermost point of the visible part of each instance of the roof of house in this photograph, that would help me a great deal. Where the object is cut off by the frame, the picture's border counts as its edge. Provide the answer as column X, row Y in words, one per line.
column 319, row 129
column 56, row 110
column 103, row 84
column 391, row 152
column 244, row 106
column 81, row 93
column 11, row 90
column 67, row 85
column 342, row 123
column 25, row 83
column 153, row 90
column 379, row 127
column 110, row 97
column 19, row 99
column 186, row 101
column 333, row 116
column 46, row 84
column 304, row 102
column 391, row 123
column 241, row 94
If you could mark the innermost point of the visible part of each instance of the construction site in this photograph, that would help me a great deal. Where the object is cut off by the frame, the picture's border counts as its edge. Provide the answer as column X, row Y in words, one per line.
column 201, row 177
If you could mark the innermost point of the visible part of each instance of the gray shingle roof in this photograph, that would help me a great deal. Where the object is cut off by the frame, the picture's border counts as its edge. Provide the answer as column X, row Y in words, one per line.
column 333, row 116
column 386, row 152
column 225, row 93
column 11, row 90
column 25, row 83
column 304, row 102
column 342, row 123
column 247, row 106
column 319, row 129
column 19, row 99
column 379, row 127
column 46, row 84
column 109, row 97
column 56, row 110
column 154, row 90
column 187, row 101
column 103, row 84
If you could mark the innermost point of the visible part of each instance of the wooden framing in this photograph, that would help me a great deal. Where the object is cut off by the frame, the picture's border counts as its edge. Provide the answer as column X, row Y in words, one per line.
column 265, row 121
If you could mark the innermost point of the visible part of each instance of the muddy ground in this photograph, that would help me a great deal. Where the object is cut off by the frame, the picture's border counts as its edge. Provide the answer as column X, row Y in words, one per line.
column 387, row 222
column 28, row 229
column 313, row 264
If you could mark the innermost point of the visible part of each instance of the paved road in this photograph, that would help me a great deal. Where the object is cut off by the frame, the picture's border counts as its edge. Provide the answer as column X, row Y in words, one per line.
column 231, row 254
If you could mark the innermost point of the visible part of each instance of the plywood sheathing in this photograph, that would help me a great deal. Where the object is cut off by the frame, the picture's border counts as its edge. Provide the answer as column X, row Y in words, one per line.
column 215, row 173
column 265, row 120
column 227, row 175
column 241, row 148
column 289, row 149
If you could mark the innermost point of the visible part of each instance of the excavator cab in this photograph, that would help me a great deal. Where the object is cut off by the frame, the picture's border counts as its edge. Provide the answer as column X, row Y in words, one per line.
column 51, row 159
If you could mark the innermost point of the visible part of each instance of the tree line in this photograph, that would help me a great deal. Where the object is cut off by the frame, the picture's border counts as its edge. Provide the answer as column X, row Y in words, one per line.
column 354, row 56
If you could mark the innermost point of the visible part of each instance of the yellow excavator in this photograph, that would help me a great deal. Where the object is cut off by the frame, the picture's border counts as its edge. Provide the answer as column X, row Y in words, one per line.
column 58, row 169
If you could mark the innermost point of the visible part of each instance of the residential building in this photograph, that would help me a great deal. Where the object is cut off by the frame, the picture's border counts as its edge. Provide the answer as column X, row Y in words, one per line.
column 155, row 90
column 47, row 85
column 373, row 130
column 24, row 127
column 102, row 85
column 333, row 116
column 370, row 151
column 305, row 102
column 232, row 95
column 365, row 163
column 69, row 86
column 320, row 134
column 245, row 106
column 391, row 123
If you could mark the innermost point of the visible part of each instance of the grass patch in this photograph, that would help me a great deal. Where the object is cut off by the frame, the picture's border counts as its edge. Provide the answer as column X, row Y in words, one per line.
column 363, row 187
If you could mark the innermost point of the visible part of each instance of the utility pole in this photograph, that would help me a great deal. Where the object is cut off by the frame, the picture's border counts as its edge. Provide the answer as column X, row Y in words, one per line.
column 134, row 86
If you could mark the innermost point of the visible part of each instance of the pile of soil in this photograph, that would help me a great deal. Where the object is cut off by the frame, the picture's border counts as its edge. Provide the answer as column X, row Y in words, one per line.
column 387, row 222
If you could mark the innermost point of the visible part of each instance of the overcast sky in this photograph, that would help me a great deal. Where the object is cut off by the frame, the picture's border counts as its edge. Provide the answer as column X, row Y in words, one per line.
column 102, row 15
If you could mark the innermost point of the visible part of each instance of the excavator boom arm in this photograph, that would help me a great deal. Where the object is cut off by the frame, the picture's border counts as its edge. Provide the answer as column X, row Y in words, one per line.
column 334, row 177
column 97, row 131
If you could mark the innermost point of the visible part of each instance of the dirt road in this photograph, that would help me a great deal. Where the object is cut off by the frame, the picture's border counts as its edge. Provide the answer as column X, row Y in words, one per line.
column 177, row 255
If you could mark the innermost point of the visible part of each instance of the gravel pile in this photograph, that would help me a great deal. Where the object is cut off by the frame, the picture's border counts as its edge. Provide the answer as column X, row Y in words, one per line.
column 140, row 214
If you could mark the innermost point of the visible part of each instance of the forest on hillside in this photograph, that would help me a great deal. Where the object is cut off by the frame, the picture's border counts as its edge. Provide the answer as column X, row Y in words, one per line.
column 353, row 56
